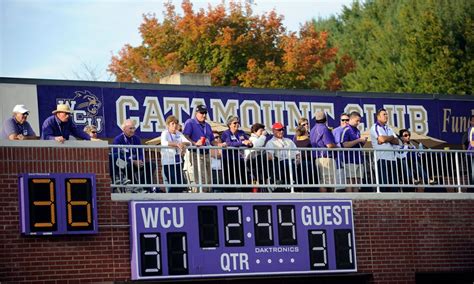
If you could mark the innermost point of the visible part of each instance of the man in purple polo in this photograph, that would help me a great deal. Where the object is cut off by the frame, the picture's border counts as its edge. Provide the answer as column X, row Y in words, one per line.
column 353, row 160
column 321, row 137
column 59, row 126
column 199, row 133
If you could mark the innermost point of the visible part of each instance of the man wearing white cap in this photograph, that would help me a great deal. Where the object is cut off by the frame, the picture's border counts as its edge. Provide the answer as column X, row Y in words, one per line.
column 59, row 126
column 16, row 127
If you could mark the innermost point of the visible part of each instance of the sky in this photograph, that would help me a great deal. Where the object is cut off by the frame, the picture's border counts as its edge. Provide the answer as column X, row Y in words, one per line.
column 60, row 39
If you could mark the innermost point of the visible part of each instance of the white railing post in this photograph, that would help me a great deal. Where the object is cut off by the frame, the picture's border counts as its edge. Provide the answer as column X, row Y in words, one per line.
column 458, row 171
column 376, row 167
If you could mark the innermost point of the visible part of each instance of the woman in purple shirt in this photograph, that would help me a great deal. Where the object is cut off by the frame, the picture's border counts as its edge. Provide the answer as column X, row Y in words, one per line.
column 233, row 161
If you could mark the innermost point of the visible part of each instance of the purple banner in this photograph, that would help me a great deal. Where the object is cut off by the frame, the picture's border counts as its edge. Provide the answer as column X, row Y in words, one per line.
column 107, row 108
column 202, row 239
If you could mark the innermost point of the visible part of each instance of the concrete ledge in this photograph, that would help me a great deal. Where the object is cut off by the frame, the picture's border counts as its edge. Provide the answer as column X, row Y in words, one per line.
column 290, row 196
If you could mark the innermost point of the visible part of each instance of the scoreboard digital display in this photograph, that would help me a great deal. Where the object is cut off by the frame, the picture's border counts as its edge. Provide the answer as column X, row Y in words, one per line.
column 204, row 239
column 57, row 204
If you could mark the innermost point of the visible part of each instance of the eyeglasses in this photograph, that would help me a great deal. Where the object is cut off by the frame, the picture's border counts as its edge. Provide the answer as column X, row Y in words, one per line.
column 406, row 135
column 344, row 120
column 303, row 124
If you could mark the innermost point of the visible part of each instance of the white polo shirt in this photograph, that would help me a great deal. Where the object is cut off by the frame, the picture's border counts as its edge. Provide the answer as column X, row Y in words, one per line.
column 170, row 156
column 378, row 130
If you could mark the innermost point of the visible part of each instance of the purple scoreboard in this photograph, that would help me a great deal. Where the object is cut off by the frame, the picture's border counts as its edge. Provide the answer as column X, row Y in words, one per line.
column 57, row 204
column 204, row 239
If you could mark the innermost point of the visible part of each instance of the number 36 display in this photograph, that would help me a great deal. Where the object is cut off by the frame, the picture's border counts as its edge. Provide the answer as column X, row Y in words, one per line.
column 56, row 204
column 191, row 239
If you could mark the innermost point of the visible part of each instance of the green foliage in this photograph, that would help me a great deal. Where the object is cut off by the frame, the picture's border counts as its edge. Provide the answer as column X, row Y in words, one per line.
column 422, row 46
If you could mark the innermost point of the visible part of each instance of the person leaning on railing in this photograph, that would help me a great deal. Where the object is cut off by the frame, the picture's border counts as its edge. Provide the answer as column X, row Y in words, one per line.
column 199, row 133
column 321, row 137
column 16, row 127
column 353, row 160
column 59, row 126
column 256, row 160
column 306, row 173
column 284, row 158
column 470, row 149
column 137, row 169
column 233, row 161
column 174, row 144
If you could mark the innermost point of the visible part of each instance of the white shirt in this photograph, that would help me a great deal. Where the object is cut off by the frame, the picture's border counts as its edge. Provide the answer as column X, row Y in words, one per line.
column 257, row 142
column 168, row 155
column 283, row 143
column 378, row 130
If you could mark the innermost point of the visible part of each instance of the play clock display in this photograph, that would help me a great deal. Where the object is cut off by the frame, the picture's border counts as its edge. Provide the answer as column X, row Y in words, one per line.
column 203, row 239
column 57, row 204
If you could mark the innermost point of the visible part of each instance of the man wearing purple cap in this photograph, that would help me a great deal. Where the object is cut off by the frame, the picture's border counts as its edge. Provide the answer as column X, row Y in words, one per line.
column 321, row 137
column 284, row 161
column 199, row 133
column 16, row 127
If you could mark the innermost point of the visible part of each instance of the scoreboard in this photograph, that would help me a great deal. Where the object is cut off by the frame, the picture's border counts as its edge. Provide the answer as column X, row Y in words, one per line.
column 57, row 204
column 204, row 239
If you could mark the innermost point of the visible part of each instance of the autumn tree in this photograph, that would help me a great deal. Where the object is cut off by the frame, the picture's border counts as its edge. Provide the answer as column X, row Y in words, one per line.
column 235, row 46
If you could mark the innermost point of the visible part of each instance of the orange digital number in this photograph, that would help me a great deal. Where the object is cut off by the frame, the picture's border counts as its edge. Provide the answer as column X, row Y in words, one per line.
column 50, row 203
column 71, row 203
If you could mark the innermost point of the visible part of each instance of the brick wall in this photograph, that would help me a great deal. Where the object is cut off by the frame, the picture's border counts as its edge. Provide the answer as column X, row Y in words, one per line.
column 394, row 238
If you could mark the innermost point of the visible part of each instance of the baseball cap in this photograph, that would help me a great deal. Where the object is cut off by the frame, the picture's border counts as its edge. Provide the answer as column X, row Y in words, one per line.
column 20, row 109
column 201, row 109
column 277, row 126
column 320, row 115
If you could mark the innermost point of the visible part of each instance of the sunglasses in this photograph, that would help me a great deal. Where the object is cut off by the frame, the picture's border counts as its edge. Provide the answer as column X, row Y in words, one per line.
column 26, row 114
column 203, row 112
column 94, row 132
column 344, row 120
column 406, row 135
column 280, row 129
column 303, row 124
column 236, row 122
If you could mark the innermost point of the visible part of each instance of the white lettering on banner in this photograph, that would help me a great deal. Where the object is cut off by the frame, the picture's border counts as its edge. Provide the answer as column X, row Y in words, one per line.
column 153, row 115
column 221, row 112
column 234, row 261
column 167, row 217
column 418, row 119
column 267, row 113
column 249, row 111
column 176, row 105
column 370, row 111
column 121, row 105
column 325, row 215
column 294, row 113
column 327, row 108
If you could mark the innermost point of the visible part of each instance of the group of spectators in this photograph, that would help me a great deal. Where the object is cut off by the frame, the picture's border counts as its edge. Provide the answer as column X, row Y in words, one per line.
column 255, row 158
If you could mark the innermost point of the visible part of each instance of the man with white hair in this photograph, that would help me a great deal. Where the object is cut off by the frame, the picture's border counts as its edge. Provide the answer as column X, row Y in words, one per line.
column 137, row 170
column 16, row 127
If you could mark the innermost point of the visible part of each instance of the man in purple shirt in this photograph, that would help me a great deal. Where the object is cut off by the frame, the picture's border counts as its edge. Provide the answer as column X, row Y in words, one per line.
column 137, row 169
column 353, row 160
column 321, row 137
column 16, row 127
column 59, row 126
column 337, row 132
column 199, row 133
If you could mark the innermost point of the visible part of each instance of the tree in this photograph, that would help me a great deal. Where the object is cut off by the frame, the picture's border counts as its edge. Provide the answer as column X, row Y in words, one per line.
column 235, row 46
column 406, row 46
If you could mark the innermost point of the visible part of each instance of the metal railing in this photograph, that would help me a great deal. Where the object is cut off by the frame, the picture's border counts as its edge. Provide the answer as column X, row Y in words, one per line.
column 214, row 169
